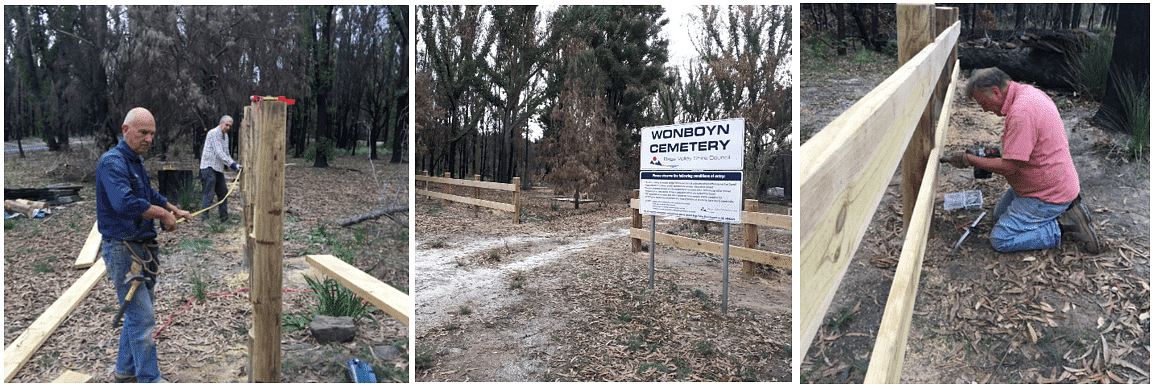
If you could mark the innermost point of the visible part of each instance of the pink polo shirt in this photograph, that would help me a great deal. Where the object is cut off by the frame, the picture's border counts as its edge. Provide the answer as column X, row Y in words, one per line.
column 1034, row 134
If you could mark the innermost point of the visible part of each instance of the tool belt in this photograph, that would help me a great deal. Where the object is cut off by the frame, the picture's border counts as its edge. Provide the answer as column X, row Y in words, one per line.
column 142, row 254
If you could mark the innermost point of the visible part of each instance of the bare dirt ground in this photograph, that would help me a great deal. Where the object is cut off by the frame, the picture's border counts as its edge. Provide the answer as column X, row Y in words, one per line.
column 208, row 341
column 1055, row 315
column 560, row 297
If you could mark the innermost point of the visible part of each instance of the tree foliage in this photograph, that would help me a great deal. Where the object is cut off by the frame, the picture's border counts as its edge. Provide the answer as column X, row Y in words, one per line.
column 76, row 70
column 456, row 41
column 745, row 53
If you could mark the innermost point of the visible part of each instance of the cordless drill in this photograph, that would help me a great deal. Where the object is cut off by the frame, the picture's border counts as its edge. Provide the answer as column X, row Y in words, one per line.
column 989, row 152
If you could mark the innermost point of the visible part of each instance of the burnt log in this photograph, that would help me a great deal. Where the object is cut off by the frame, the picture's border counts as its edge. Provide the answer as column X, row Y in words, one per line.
column 1037, row 57
column 1045, row 69
column 54, row 195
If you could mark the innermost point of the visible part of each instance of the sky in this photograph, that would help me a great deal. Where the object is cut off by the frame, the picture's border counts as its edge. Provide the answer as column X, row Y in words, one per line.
column 678, row 32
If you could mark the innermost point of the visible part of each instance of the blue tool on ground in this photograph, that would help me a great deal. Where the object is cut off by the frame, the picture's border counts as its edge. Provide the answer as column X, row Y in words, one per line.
column 361, row 372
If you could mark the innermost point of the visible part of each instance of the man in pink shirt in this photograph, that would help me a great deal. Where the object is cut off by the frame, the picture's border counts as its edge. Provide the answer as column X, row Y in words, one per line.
column 1043, row 202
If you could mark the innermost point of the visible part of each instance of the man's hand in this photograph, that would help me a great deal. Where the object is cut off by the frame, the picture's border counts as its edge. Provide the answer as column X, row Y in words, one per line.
column 168, row 222
column 958, row 160
column 182, row 214
column 236, row 166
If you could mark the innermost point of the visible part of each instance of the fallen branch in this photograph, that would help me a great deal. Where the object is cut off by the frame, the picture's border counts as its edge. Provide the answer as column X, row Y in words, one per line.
column 388, row 212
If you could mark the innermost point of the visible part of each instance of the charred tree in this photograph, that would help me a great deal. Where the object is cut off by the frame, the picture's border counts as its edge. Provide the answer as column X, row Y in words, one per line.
column 841, row 29
column 1130, row 64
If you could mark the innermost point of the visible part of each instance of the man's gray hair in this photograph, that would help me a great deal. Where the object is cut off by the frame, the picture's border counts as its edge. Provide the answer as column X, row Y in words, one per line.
column 226, row 118
column 986, row 78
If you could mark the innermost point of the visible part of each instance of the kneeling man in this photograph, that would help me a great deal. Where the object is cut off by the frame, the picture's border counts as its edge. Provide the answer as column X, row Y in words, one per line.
column 1043, row 202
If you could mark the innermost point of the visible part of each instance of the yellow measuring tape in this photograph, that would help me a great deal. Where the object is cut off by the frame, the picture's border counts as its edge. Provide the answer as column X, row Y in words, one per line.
column 232, row 187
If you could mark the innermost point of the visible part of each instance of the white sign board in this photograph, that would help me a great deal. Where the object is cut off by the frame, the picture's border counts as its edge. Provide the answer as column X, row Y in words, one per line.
column 705, row 146
column 693, row 170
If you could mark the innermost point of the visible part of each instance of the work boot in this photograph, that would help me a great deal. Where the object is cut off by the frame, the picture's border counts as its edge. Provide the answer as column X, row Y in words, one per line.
column 121, row 378
column 1076, row 223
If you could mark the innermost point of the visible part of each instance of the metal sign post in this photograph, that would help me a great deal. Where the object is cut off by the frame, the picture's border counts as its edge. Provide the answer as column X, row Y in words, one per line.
column 725, row 265
column 653, row 227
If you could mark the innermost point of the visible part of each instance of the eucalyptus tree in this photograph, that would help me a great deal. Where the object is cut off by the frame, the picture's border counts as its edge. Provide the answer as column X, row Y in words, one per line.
column 746, row 50
column 518, row 64
column 629, row 56
column 455, row 42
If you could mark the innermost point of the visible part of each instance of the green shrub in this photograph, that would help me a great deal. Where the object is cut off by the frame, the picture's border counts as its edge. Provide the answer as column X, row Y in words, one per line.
column 188, row 196
column 705, row 347
column 1136, row 99
column 336, row 300
column 199, row 287
column 425, row 357
column 1090, row 66
column 324, row 146
column 295, row 321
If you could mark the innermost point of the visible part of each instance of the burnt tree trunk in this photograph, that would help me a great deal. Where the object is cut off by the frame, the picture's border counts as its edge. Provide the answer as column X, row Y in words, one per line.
column 841, row 29
column 1130, row 62
column 1020, row 9
column 866, row 29
column 1076, row 14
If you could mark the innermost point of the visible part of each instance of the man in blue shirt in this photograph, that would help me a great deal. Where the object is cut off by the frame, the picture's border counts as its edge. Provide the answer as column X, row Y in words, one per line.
column 126, row 205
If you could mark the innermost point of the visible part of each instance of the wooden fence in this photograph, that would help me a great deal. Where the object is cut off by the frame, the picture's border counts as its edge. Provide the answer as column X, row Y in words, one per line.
column 448, row 182
column 847, row 167
column 747, row 252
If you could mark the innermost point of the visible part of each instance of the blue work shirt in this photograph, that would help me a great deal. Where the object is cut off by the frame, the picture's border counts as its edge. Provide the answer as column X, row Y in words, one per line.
column 123, row 193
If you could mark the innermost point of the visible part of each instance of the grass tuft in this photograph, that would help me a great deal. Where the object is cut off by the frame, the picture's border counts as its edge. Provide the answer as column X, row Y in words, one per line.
column 1136, row 99
column 336, row 300
column 1091, row 65
column 199, row 287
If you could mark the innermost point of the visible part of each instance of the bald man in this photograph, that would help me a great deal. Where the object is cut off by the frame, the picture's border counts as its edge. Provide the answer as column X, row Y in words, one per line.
column 1044, row 202
column 126, row 205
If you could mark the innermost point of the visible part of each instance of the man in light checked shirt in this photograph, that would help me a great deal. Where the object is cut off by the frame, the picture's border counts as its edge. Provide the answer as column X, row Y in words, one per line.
column 214, row 160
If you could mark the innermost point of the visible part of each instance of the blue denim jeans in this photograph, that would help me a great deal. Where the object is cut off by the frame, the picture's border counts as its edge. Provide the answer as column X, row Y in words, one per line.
column 137, row 353
column 213, row 182
column 1025, row 223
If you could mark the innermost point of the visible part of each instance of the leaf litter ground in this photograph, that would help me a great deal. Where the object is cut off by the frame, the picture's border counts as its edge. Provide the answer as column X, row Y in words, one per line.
column 207, row 342
column 1056, row 315
column 560, row 297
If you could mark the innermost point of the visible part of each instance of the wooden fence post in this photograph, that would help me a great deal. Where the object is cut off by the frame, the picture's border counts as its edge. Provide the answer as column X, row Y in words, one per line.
column 248, row 180
column 426, row 173
column 944, row 18
column 517, row 200
column 915, row 23
column 445, row 187
column 268, row 254
column 476, row 194
column 751, row 237
column 635, row 243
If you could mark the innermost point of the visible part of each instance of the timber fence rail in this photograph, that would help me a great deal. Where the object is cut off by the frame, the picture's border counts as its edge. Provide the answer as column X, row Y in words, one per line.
column 747, row 252
column 847, row 167
column 448, row 182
